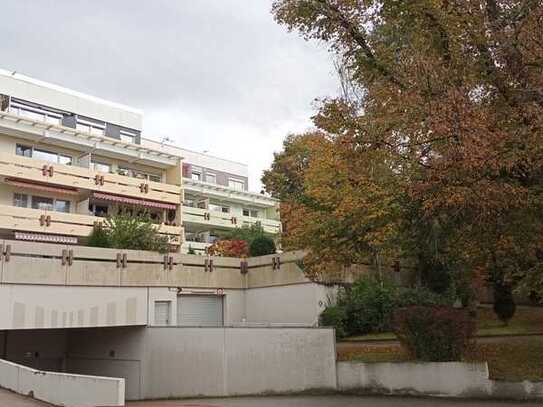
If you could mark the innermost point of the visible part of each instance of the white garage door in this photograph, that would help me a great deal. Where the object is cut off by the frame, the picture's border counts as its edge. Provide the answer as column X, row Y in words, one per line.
column 200, row 310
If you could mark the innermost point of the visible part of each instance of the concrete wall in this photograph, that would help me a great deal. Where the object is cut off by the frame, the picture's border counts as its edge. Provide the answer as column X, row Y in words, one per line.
column 189, row 362
column 290, row 304
column 43, row 349
column 116, row 352
column 35, row 306
column 62, row 388
column 186, row 362
column 450, row 379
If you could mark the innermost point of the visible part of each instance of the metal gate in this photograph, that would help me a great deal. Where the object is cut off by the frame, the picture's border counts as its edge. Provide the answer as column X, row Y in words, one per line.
column 200, row 310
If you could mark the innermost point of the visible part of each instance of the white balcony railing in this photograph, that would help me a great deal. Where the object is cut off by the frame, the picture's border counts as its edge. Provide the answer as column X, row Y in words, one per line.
column 227, row 221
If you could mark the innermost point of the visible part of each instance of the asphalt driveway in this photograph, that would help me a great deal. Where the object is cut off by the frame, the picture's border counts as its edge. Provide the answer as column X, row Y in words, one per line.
column 331, row 401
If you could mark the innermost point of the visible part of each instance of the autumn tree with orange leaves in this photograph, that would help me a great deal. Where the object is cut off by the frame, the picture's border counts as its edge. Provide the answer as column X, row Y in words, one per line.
column 441, row 157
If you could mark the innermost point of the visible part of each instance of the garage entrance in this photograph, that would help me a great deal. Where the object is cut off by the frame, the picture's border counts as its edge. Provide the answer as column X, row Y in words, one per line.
column 200, row 310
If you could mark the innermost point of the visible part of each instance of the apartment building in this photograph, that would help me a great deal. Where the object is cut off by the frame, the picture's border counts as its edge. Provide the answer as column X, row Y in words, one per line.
column 67, row 160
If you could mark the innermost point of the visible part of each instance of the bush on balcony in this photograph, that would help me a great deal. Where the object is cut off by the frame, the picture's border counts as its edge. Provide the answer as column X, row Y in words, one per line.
column 229, row 248
column 124, row 231
column 434, row 334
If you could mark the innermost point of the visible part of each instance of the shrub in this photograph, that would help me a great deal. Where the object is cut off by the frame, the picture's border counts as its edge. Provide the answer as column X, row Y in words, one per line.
column 435, row 334
column 370, row 305
column 229, row 248
column 421, row 296
column 191, row 250
column 336, row 316
column 504, row 304
column 124, row 231
column 99, row 237
column 246, row 232
column 262, row 246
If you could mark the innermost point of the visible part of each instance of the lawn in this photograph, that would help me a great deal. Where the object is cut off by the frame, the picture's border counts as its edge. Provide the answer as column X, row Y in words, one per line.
column 513, row 359
column 527, row 321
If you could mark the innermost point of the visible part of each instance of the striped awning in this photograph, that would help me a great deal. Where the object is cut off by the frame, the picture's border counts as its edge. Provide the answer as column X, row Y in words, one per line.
column 41, row 187
column 37, row 237
column 132, row 201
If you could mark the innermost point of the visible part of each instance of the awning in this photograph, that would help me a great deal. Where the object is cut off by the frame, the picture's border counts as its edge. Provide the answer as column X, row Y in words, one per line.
column 132, row 201
column 41, row 187
column 36, row 237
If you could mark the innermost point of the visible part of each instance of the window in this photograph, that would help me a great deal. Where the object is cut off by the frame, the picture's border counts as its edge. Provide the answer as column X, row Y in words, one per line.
column 128, row 172
column 50, row 156
column 219, row 208
column 62, row 205
column 40, row 202
column 35, row 113
column 236, row 184
column 127, row 136
column 98, row 210
column 123, row 171
column 196, row 176
column 86, row 126
column 253, row 213
column 211, row 178
column 101, row 167
column 24, row 151
column 20, row 200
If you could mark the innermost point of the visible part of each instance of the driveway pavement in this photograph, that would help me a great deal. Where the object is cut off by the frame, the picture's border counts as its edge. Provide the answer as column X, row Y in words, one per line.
column 330, row 401
column 10, row 399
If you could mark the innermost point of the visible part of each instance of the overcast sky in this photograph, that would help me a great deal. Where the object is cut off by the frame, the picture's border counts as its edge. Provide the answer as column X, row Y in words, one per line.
column 213, row 75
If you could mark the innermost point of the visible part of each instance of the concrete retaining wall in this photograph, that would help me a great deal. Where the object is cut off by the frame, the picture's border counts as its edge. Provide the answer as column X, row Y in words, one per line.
column 62, row 388
column 187, row 362
column 451, row 379
column 163, row 362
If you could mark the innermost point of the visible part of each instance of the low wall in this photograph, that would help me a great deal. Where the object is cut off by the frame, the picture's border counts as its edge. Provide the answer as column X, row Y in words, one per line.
column 62, row 388
column 188, row 362
column 450, row 379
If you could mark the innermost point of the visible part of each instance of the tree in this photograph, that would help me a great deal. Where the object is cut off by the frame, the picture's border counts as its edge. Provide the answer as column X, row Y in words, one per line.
column 446, row 137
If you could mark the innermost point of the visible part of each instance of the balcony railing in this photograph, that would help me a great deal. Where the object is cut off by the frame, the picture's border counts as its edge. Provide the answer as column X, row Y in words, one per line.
column 225, row 220
column 224, row 192
column 40, row 171
column 59, row 223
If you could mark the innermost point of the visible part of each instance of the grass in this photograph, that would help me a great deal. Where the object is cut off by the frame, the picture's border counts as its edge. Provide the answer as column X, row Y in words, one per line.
column 527, row 321
column 514, row 360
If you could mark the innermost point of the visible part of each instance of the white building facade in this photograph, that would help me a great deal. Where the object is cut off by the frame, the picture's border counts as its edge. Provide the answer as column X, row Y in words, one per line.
column 67, row 160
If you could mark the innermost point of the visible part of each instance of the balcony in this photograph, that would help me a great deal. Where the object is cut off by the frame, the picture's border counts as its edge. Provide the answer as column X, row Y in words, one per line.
column 225, row 193
column 224, row 220
column 78, row 178
column 66, row 224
